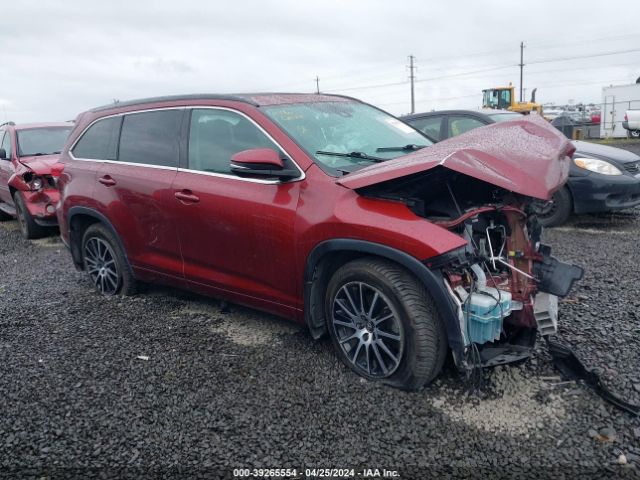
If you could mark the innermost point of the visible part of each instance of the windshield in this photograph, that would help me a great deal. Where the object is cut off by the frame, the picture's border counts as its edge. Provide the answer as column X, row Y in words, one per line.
column 503, row 117
column 42, row 141
column 346, row 128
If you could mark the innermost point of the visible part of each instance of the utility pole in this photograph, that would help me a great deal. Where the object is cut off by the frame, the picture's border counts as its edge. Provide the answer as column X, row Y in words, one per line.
column 412, row 77
column 521, row 67
column 317, row 84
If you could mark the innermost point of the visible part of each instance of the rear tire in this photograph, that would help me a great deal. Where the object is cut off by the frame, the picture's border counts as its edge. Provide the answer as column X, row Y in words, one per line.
column 634, row 133
column 389, row 330
column 29, row 228
column 105, row 262
column 559, row 212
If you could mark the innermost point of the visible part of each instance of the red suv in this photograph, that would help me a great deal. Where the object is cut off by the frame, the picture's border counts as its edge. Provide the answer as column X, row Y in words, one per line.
column 330, row 212
column 28, row 157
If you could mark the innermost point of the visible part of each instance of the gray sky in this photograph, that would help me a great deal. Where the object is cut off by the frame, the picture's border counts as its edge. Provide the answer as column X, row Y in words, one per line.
column 62, row 57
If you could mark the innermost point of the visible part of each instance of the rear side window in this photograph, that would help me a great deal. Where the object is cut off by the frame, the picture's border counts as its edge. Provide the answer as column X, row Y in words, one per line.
column 100, row 141
column 459, row 125
column 216, row 135
column 429, row 126
column 151, row 138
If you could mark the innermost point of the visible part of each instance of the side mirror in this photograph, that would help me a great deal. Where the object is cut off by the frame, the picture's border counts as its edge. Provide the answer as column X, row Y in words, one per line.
column 3, row 154
column 261, row 162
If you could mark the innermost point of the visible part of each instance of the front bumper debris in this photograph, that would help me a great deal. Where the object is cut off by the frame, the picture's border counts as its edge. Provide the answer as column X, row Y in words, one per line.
column 572, row 368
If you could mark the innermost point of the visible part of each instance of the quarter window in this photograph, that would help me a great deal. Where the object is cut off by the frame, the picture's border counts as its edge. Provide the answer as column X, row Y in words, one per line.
column 151, row 138
column 100, row 141
column 216, row 135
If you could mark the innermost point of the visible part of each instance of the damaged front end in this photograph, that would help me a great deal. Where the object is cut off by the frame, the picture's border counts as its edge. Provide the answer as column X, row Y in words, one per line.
column 504, row 283
column 36, row 180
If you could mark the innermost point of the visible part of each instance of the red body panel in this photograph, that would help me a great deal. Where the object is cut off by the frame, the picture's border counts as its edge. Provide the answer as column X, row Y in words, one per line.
column 248, row 241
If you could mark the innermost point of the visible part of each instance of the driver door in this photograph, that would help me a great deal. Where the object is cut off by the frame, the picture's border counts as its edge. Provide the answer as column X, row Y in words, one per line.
column 236, row 234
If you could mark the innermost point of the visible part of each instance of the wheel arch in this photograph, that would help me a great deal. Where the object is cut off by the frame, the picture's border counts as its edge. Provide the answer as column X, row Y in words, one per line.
column 329, row 255
column 571, row 196
column 81, row 218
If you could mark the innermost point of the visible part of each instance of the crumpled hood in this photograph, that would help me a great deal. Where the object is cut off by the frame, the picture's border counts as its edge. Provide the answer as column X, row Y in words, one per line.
column 526, row 156
column 40, row 164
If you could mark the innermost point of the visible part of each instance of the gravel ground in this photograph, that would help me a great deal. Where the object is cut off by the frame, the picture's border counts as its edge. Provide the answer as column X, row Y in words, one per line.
column 164, row 384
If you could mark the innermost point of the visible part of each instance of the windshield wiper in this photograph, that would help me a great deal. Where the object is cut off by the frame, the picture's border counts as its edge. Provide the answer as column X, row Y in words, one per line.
column 360, row 155
column 407, row 148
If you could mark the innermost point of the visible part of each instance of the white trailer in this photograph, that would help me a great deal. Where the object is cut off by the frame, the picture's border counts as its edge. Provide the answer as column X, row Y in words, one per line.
column 617, row 99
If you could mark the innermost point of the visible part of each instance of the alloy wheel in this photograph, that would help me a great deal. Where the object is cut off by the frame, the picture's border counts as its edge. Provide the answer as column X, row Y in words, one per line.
column 368, row 329
column 102, row 266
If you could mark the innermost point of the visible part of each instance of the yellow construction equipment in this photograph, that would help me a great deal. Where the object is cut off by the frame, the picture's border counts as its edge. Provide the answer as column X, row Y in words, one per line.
column 503, row 98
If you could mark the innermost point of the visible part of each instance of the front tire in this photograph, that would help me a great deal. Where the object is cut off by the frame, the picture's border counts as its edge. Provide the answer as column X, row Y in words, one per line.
column 384, row 324
column 28, row 227
column 557, row 210
column 106, row 263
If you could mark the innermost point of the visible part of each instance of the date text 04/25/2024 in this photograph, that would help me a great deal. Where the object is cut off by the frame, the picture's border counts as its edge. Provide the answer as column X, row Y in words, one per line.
column 314, row 473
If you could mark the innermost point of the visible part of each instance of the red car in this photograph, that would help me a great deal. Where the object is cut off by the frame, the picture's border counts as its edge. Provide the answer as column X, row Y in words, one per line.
column 327, row 211
column 27, row 187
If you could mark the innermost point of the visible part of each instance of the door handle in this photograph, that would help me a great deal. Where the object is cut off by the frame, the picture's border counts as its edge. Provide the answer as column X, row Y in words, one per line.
column 107, row 180
column 186, row 196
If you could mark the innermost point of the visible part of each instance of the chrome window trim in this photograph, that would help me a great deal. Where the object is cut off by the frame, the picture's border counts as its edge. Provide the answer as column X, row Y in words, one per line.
column 189, row 170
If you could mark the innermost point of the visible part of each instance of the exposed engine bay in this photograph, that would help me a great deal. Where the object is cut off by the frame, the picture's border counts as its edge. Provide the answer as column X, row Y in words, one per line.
column 504, row 283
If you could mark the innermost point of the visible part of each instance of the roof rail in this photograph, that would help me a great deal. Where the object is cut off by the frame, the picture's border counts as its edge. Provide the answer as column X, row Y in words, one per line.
column 7, row 123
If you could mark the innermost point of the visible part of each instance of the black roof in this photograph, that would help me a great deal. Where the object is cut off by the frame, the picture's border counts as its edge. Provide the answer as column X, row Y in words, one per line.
column 170, row 98
column 248, row 98
column 479, row 113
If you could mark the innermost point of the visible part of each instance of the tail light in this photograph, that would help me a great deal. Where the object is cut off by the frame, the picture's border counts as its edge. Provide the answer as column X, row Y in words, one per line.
column 625, row 118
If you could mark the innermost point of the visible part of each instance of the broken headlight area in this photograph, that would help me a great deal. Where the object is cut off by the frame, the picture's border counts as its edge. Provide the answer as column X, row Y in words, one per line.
column 504, row 283
column 36, row 183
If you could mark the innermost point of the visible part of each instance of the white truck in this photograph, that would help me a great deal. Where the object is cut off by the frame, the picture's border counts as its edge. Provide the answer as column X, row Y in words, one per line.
column 631, row 123
column 616, row 99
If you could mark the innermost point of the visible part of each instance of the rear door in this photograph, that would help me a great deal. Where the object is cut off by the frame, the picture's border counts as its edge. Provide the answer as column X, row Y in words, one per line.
column 236, row 234
column 134, row 192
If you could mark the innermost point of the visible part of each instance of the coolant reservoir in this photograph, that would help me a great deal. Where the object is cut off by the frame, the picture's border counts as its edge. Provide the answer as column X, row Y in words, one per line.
column 484, row 311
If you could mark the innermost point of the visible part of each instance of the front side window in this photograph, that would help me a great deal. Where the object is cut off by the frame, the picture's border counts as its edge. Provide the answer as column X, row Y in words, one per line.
column 460, row 125
column 216, row 135
column 100, row 141
column 344, row 128
column 42, row 141
column 429, row 126
column 6, row 143
column 151, row 138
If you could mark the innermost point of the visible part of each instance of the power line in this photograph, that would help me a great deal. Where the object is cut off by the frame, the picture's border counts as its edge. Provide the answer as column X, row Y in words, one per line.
column 591, row 55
